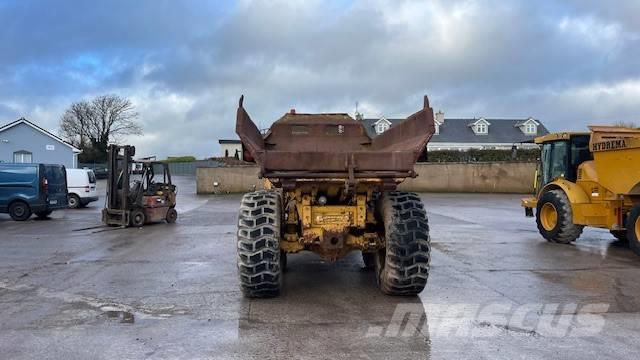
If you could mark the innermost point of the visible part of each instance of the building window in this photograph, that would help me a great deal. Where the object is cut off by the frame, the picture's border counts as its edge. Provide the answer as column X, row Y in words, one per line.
column 22, row 157
column 481, row 128
column 530, row 129
column 382, row 127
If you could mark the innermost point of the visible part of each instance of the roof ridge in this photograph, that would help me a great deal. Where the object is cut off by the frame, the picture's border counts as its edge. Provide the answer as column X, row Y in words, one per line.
column 37, row 127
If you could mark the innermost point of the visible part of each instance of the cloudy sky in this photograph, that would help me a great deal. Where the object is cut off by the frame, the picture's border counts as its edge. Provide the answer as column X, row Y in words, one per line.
column 185, row 63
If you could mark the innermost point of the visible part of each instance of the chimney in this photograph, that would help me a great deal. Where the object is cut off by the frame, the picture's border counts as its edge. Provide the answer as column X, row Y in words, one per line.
column 440, row 117
column 292, row 111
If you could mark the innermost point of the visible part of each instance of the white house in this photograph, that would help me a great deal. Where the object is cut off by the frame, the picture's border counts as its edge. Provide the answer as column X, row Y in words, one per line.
column 22, row 141
column 229, row 148
column 478, row 133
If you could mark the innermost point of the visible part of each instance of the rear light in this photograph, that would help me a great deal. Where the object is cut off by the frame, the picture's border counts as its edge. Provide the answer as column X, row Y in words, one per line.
column 86, row 189
column 45, row 185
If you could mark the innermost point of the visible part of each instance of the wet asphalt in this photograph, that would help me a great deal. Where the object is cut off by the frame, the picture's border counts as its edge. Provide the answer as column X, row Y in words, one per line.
column 496, row 290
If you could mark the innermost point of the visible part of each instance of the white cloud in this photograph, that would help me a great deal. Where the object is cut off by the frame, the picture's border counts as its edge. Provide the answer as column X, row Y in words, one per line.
column 184, row 67
column 593, row 32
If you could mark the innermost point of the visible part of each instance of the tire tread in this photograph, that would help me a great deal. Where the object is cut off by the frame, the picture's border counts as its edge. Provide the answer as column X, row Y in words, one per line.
column 408, row 244
column 258, row 244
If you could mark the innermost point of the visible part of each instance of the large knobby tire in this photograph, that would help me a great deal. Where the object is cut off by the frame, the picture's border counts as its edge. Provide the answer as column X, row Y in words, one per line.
column 259, row 255
column 402, row 267
column 554, row 218
column 633, row 229
column 19, row 211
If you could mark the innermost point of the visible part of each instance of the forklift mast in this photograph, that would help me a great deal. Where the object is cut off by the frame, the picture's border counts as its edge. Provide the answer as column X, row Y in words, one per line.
column 119, row 159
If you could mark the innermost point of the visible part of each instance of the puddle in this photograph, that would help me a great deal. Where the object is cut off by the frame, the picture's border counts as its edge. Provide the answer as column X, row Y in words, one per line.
column 125, row 317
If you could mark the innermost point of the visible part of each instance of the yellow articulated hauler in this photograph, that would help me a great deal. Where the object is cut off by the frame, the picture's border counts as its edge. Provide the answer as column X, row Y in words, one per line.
column 588, row 179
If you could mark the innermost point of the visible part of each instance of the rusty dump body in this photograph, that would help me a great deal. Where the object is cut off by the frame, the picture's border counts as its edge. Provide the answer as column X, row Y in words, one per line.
column 331, row 190
column 311, row 146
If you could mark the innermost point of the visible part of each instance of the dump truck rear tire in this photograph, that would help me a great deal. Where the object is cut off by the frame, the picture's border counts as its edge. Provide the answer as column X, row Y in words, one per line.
column 259, row 264
column 633, row 229
column 402, row 267
column 554, row 218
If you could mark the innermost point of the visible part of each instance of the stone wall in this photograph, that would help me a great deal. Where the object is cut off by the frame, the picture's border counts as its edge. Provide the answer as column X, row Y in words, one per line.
column 488, row 177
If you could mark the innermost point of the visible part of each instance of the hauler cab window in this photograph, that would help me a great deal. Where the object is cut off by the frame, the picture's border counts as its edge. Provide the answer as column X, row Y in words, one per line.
column 555, row 160
column 562, row 158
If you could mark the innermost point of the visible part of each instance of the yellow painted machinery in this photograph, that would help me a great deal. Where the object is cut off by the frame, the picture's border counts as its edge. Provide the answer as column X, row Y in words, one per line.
column 588, row 179
column 332, row 190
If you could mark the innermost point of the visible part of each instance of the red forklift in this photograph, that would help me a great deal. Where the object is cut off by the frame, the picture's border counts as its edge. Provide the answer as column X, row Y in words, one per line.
column 135, row 194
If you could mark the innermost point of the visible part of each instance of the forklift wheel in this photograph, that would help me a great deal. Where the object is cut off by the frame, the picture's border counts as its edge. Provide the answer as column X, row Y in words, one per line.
column 136, row 218
column 172, row 215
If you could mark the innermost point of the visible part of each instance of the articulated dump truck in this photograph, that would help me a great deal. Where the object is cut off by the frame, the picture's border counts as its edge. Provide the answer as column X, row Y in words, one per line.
column 331, row 189
column 588, row 179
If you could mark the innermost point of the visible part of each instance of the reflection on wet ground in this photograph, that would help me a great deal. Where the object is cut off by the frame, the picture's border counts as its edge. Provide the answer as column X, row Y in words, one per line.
column 496, row 290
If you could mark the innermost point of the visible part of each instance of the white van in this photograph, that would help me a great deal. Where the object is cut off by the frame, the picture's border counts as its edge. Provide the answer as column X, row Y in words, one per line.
column 81, row 184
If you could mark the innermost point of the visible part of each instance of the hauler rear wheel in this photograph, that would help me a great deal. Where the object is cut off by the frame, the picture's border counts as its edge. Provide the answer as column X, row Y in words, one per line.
column 402, row 267
column 554, row 218
column 259, row 264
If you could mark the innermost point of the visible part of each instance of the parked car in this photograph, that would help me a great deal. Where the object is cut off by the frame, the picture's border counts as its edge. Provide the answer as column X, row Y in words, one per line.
column 81, row 184
column 101, row 172
column 27, row 189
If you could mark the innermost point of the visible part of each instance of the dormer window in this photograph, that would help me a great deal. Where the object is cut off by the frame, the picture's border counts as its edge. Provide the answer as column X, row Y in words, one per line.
column 382, row 125
column 530, row 129
column 480, row 126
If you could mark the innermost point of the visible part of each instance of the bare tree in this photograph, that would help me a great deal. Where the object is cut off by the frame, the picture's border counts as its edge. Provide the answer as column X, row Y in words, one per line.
column 91, row 125
column 74, row 122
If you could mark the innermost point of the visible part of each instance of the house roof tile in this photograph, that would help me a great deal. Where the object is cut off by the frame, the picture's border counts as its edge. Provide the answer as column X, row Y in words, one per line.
column 458, row 131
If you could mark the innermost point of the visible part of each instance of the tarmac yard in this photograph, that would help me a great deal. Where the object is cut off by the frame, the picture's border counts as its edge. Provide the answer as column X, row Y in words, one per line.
column 496, row 290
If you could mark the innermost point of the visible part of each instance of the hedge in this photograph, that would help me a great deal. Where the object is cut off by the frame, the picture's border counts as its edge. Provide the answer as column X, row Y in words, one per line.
column 178, row 159
column 476, row 155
